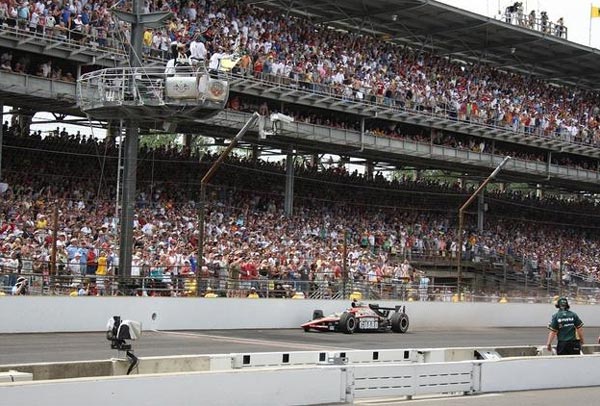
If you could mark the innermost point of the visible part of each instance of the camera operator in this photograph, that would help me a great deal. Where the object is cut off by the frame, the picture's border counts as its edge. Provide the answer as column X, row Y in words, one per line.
column 532, row 20
column 559, row 28
column 21, row 287
column 520, row 13
column 544, row 22
column 514, row 13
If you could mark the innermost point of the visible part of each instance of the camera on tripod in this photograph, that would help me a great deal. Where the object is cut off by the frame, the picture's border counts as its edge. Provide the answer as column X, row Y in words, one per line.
column 118, row 331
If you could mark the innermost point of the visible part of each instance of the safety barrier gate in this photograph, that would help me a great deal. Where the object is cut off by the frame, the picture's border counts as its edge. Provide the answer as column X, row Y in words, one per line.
column 410, row 380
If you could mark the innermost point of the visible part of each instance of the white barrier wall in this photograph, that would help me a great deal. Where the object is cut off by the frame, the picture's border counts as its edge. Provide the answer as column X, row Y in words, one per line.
column 308, row 386
column 21, row 314
column 516, row 374
column 325, row 385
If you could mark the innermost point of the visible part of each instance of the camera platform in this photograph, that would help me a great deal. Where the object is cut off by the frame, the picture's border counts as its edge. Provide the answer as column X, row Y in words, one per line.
column 151, row 94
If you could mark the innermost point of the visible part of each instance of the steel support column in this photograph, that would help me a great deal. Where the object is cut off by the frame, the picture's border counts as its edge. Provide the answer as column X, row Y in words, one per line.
column 138, row 20
column 369, row 169
column 128, row 199
column 255, row 154
column 289, row 183
column 1, row 135
column 480, row 210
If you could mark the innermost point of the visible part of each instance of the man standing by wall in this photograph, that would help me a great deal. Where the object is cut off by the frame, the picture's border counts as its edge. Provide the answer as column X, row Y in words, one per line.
column 567, row 327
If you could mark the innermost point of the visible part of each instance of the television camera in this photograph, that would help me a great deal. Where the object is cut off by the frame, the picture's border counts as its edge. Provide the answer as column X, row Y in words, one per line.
column 275, row 121
column 118, row 332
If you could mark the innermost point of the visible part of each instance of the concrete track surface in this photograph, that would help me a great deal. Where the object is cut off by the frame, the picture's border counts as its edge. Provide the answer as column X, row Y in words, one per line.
column 25, row 348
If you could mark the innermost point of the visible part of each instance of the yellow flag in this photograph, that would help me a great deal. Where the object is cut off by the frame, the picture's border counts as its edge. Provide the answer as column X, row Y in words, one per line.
column 595, row 12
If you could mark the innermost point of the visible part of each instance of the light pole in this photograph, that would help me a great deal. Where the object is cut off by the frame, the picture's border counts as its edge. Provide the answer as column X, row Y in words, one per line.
column 461, row 212
column 207, row 177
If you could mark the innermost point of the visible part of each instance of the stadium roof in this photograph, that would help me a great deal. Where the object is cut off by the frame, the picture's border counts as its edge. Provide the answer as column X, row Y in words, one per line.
column 447, row 30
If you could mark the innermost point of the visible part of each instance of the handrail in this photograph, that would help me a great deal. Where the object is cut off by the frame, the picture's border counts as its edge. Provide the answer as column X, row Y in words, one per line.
column 542, row 24
column 386, row 288
column 67, row 40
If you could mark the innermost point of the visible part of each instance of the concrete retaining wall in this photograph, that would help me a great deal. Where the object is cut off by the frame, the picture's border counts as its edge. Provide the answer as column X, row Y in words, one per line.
column 276, row 387
column 64, row 370
column 78, row 314
column 540, row 373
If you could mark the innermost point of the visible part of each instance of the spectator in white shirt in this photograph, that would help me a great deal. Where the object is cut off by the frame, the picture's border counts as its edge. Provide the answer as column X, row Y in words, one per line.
column 197, row 51
column 215, row 59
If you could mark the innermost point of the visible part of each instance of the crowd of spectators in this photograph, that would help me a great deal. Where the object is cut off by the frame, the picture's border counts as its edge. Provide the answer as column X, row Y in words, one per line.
column 76, row 20
column 24, row 64
column 376, row 71
column 248, row 235
column 293, row 51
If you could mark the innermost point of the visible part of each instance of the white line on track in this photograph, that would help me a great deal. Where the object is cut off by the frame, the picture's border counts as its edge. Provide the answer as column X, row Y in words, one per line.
column 266, row 343
column 437, row 398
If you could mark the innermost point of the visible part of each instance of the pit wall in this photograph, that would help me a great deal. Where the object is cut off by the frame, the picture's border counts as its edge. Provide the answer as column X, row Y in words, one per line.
column 41, row 371
column 334, row 384
column 39, row 314
column 274, row 387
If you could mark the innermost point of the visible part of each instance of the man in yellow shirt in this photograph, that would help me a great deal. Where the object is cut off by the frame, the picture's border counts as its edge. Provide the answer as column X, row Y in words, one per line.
column 102, row 264
column 74, row 290
column 41, row 222
column 101, row 272
column 147, row 42
column 253, row 294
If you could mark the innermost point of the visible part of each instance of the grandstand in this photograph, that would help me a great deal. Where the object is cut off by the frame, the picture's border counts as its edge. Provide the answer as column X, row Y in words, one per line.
column 428, row 97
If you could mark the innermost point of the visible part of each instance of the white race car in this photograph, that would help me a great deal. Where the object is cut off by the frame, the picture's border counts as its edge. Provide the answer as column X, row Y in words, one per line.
column 361, row 318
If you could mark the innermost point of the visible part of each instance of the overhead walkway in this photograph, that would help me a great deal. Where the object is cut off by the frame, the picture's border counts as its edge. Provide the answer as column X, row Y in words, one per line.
column 60, row 97
column 401, row 151
column 296, row 93
column 38, row 94
column 321, row 97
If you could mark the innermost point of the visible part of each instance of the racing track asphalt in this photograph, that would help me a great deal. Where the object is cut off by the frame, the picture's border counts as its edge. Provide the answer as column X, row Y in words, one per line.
column 25, row 348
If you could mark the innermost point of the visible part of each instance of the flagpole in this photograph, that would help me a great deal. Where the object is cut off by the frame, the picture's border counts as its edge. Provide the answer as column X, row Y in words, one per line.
column 590, row 32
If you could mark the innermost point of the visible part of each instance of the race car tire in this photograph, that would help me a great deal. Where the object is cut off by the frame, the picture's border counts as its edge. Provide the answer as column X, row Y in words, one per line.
column 348, row 323
column 317, row 314
column 306, row 329
column 400, row 322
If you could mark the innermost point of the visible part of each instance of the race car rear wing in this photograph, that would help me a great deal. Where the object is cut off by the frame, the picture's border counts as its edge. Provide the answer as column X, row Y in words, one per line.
column 376, row 308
